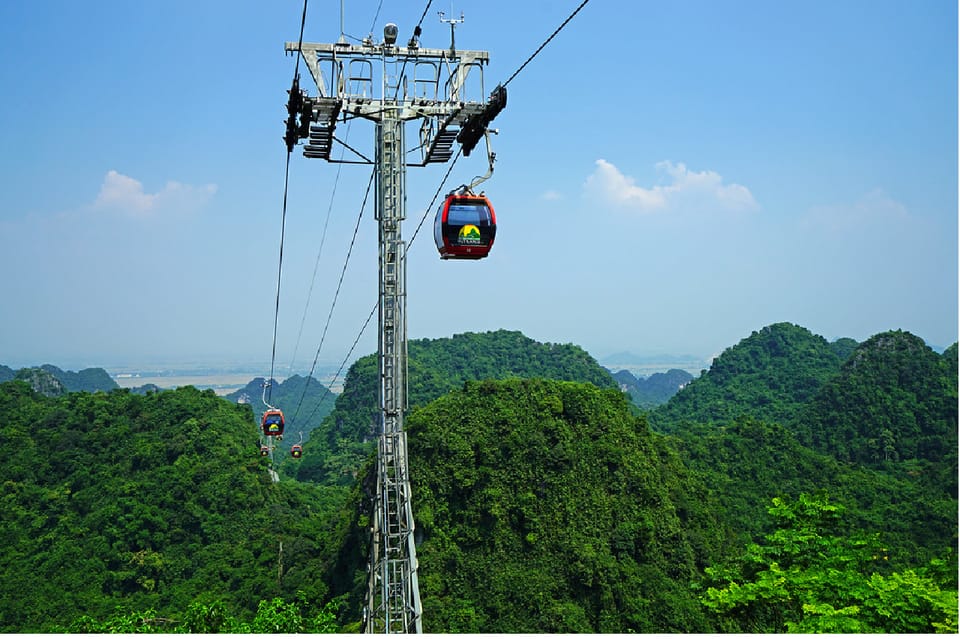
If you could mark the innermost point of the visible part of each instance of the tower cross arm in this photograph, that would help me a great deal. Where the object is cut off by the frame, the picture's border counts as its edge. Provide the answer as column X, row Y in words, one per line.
column 329, row 57
column 330, row 50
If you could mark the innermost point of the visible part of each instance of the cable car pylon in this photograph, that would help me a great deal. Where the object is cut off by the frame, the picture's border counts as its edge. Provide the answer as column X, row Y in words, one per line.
column 444, row 89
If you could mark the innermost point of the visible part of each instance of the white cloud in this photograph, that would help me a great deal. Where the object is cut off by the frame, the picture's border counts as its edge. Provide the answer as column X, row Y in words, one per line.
column 125, row 195
column 551, row 196
column 875, row 208
column 684, row 190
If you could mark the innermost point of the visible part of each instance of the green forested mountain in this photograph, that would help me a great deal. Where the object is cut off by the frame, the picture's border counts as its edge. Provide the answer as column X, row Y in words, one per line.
column 768, row 375
column 304, row 401
column 547, row 506
column 748, row 463
column 891, row 408
column 41, row 381
column 894, row 399
column 435, row 367
column 543, row 502
column 654, row 390
column 88, row 379
column 145, row 502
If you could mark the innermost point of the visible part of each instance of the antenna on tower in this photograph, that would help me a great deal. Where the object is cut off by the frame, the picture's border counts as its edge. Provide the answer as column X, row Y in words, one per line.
column 453, row 24
column 343, row 37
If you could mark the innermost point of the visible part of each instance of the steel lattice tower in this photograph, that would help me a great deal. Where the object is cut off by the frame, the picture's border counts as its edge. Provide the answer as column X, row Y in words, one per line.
column 391, row 85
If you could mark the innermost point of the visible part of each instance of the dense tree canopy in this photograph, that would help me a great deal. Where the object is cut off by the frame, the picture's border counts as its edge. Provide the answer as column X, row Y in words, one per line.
column 654, row 390
column 543, row 501
column 304, row 400
column 768, row 376
column 435, row 367
column 146, row 502
column 546, row 506
column 813, row 575
column 895, row 399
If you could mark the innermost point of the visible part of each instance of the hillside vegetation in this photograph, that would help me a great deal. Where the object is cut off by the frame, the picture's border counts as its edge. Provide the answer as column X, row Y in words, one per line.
column 547, row 507
column 144, row 502
column 53, row 381
column 894, row 399
column 654, row 390
column 769, row 375
column 304, row 401
column 796, row 486
column 346, row 437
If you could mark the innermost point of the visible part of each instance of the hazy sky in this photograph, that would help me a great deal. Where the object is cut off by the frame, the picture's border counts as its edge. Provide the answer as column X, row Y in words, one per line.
column 670, row 177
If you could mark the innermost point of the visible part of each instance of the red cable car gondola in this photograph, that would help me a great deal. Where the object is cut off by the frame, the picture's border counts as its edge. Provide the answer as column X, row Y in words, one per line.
column 297, row 451
column 273, row 422
column 264, row 451
column 465, row 226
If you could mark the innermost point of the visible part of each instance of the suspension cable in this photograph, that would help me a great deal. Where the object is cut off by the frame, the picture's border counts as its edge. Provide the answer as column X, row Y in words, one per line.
column 416, row 34
column 344, row 362
column 316, row 264
column 303, row 22
column 540, row 48
column 283, row 218
column 336, row 294
column 376, row 15
column 515, row 74
column 276, row 310
column 429, row 208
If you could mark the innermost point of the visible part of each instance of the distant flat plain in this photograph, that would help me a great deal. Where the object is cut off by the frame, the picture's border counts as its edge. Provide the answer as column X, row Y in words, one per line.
column 221, row 383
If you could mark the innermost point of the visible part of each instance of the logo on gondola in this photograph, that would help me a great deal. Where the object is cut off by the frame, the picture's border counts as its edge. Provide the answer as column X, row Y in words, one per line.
column 469, row 234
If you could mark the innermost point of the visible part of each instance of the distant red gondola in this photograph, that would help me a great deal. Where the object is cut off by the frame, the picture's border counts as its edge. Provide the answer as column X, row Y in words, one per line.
column 273, row 422
column 465, row 226
column 264, row 451
column 297, row 451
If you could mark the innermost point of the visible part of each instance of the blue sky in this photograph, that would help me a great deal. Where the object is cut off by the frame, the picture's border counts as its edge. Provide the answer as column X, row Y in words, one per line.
column 670, row 177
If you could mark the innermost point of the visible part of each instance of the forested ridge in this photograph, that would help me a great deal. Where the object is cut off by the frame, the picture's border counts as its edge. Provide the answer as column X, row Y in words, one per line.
column 304, row 400
column 346, row 437
column 654, row 390
column 144, row 502
column 798, row 485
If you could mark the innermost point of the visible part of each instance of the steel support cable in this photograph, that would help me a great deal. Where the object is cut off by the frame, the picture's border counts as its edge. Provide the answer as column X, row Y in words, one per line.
column 333, row 193
column 316, row 265
column 283, row 221
column 416, row 34
column 434, row 200
column 276, row 310
column 547, row 41
column 376, row 16
column 326, row 389
column 515, row 74
column 303, row 23
column 336, row 294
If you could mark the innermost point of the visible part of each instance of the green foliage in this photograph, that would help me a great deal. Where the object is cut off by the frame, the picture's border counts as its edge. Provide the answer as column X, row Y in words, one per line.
column 345, row 439
column 546, row 506
column 41, row 381
column 768, row 376
column 654, row 390
column 541, row 506
column 89, row 380
column 814, row 576
column 304, row 400
column 844, row 347
column 894, row 399
column 146, row 502
column 272, row 617
column 748, row 462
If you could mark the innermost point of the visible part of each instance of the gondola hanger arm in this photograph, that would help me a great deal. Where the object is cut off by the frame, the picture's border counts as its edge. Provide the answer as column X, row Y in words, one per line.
column 491, row 158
